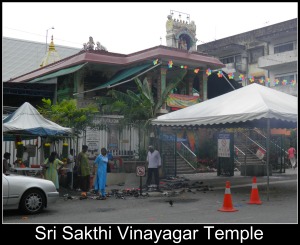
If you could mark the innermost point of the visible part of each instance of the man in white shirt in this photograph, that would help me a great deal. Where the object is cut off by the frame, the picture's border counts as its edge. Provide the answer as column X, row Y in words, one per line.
column 70, row 166
column 154, row 163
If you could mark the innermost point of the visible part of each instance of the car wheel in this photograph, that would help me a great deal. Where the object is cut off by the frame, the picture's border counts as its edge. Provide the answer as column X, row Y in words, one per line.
column 33, row 201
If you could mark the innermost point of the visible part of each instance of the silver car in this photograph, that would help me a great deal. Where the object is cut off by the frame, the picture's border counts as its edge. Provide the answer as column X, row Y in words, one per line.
column 28, row 194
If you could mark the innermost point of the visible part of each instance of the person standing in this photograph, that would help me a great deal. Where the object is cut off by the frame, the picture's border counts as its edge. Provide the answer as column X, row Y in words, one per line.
column 6, row 165
column 84, row 171
column 25, row 157
column 292, row 157
column 101, row 167
column 52, row 164
column 70, row 167
column 108, row 170
column 154, row 163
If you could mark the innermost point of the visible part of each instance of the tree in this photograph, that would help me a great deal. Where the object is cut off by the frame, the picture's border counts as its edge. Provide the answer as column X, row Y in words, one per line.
column 137, row 108
column 67, row 114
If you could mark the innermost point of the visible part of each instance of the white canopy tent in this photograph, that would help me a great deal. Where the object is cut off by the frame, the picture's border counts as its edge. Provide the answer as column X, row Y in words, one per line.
column 251, row 106
column 26, row 120
column 28, row 123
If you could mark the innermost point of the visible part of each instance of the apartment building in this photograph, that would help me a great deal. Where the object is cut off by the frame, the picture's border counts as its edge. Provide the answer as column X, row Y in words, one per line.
column 267, row 55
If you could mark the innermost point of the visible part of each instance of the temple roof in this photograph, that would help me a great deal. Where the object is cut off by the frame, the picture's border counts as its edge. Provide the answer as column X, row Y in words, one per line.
column 21, row 56
column 163, row 53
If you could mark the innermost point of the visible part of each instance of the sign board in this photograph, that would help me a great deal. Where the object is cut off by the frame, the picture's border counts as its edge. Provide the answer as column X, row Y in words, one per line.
column 140, row 171
column 112, row 138
column 92, row 141
column 31, row 149
column 260, row 153
column 224, row 145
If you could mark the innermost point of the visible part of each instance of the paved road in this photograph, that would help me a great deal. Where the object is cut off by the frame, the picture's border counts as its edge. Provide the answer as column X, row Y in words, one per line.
column 198, row 206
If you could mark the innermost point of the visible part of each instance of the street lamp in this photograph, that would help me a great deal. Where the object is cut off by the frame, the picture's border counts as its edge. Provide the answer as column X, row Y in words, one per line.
column 47, row 35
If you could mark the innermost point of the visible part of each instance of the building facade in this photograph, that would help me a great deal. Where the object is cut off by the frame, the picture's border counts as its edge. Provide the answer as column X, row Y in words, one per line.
column 93, row 71
column 267, row 56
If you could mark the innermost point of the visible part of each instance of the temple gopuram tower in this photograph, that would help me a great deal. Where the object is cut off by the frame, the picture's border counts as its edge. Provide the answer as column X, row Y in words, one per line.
column 181, row 32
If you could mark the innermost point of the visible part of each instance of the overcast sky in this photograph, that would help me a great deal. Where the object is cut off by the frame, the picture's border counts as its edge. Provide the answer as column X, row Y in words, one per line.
column 130, row 27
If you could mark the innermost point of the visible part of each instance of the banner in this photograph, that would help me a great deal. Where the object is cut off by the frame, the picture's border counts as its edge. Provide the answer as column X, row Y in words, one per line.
column 182, row 101
column 171, row 137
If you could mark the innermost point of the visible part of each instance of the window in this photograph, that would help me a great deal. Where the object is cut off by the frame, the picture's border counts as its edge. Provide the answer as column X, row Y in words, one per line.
column 238, row 59
column 287, row 77
column 231, row 59
column 234, row 59
column 283, row 48
column 238, row 62
column 227, row 60
column 255, row 54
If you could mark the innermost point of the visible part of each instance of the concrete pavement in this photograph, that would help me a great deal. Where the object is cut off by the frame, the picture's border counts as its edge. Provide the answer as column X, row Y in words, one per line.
column 191, row 205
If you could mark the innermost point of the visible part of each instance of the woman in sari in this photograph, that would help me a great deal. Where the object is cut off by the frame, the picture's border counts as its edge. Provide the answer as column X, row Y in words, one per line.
column 101, row 166
column 51, row 165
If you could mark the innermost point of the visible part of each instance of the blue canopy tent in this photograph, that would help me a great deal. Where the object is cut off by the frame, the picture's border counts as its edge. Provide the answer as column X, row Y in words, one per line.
column 29, row 123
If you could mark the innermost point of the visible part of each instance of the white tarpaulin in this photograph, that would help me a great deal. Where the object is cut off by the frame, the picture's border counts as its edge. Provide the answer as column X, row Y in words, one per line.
column 250, row 103
column 27, row 120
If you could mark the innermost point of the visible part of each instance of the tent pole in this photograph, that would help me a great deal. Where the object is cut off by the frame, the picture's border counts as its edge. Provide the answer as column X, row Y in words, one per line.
column 268, row 155
column 226, row 78
column 228, row 82
column 175, row 153
column 72, row 167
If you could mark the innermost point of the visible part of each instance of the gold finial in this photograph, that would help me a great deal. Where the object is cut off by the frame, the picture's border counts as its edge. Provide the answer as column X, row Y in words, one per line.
column 51, row 45
column 51, row 56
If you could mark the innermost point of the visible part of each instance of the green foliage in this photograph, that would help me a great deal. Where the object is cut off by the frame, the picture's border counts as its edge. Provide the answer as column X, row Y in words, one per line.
column 142, row 153
column 138, row 108
column 67, row 114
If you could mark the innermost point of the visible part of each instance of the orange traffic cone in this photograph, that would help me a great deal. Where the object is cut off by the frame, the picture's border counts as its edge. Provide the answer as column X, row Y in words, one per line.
column 254, row 198
column 227, row 204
